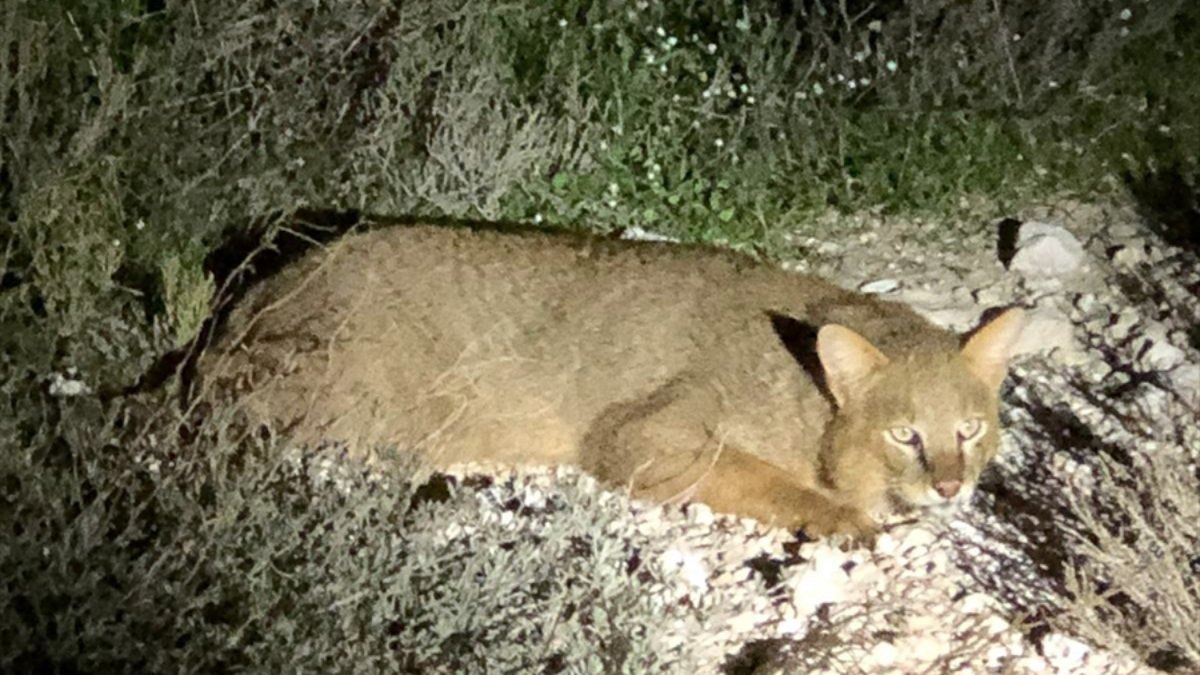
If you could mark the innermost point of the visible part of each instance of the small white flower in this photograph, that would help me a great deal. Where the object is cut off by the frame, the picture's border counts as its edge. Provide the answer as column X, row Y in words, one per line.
column 672, row 41
column 891, row 66
column 655, row 167
column 613, row 188
column 875, row 26
column 537, row 218
column 801, row 95
column 562, row 23
column 852, row 84
column 660, row 31
column 140, row 225
column 751, row 100
column 612, row 203
column 1016, row 37
column 676, row 98
column 866, row 81
column 117, row 242
column 719, row 143
column 707, row 93
column 1126, row 14
column 818, row 89
column 712, row 48
column 618, row 130
column 649, row 57
column 841, row 77
column 1164, row 129
column 663, row 69
column 744, row 88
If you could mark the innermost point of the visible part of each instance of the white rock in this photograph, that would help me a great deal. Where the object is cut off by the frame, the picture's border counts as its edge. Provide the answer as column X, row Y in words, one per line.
column 1045, row 330
column 67, row 387
column 880, row 286
column 884, row 654
column 995, row 625
column 1085, row 302
column 744, row 622
column 812, row 588
column 636, row 233
column 792, row 626
column 917, row 537
column 1185, row 380
column 990, row 295
column 886, row 544
column 1129, row 255
column 975, row 603
column 923, row 648
column 1155, row 352
column 1045, row 250
column 700, row 514
column 1126, row 320
column 996, row 657
column 1064, row 653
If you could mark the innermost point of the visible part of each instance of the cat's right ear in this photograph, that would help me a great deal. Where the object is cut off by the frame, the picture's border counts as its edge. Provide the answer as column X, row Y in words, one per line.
column 848, row 359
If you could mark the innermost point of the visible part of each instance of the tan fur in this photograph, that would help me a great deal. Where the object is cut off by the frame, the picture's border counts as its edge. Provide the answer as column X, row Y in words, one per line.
column 659, row 367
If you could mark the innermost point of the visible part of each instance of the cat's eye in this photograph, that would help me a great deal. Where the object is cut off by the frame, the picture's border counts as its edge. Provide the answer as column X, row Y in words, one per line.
column 904, row 436
column 968, row 429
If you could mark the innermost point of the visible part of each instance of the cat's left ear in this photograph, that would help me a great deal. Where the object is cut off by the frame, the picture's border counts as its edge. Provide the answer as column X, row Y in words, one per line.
column 989, row 348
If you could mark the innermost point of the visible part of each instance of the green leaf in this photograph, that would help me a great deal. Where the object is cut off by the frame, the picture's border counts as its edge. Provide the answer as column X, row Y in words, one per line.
column 726, row 215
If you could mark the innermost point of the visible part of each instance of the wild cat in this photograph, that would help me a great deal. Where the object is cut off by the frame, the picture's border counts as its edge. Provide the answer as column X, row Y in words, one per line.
column 678, row 372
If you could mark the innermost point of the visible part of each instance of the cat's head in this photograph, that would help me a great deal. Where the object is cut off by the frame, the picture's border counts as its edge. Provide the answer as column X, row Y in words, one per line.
column 916, row 429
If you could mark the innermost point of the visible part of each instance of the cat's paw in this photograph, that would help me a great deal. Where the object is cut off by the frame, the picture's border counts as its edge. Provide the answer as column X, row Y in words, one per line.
column 847, row 524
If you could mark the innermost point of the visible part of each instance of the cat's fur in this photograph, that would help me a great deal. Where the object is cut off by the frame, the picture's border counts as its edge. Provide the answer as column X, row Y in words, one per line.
column 680, row 372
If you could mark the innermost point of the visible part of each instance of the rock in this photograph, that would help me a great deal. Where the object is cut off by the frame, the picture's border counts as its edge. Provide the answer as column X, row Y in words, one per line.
column 880, row 286
column 1085, row 302
column 1155, row 351
column 1064, row 654
column 884, row 654
column 953, row 318
column 700, row 514
column 1185, row 381
column 1123, row 325
column 1046, row 330
column 975, row 603
column 990, row 296
column 67, row 386
column 636, row 233
column 1045, row 250
column 1129, row 255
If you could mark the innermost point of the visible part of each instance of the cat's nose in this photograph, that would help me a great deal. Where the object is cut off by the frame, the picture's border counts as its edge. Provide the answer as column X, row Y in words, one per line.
column 948, row 488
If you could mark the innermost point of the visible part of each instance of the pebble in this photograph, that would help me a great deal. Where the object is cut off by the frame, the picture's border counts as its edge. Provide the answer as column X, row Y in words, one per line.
column 1046, row 251
column 880, row 286
column 884, row 654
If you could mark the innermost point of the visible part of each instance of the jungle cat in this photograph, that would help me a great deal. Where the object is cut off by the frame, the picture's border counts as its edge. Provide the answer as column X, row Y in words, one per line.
column 677, row 372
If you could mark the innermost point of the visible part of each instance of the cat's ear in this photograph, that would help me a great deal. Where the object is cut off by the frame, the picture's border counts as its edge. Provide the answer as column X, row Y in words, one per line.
column 848, row 359
column 989, row 348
